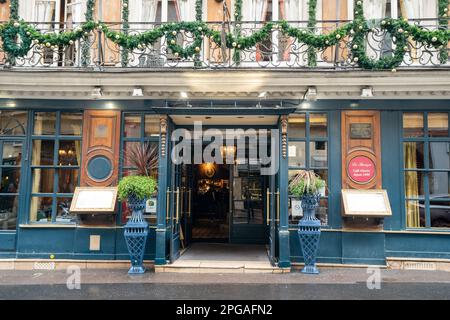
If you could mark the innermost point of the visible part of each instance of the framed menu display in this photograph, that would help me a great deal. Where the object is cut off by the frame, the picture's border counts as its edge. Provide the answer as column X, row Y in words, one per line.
column 94, row 200
column 366, row 203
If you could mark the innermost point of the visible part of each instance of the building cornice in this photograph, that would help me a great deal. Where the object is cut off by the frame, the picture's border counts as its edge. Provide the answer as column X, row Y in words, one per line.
column 223, row 84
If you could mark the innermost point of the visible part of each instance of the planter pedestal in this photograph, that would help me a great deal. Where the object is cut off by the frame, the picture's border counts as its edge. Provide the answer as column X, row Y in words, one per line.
column 136, row 232
column 309, row 233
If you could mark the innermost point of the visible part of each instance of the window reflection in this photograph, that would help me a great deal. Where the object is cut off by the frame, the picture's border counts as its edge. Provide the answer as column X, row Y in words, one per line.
column 12, row 153
column 43, row 152
column 71, row 124
column 8, row 212
column 13, row 123
column 45, row 123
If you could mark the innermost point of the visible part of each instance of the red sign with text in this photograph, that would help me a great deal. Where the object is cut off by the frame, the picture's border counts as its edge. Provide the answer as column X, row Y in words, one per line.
column 361, row 169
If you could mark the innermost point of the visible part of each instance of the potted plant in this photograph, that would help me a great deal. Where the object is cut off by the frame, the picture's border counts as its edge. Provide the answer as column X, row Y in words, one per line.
column 307, row 187
column 135, row 190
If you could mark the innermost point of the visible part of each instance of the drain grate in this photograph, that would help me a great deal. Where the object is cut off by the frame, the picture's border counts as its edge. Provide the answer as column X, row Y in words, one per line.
column 44, row 266
column 419, row 266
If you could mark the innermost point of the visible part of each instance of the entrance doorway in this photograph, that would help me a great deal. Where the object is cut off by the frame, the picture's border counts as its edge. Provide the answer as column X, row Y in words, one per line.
column 228, row 202
column 211, row 203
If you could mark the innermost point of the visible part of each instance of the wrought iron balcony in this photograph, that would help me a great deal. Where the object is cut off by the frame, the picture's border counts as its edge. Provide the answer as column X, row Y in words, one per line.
column 279, row 51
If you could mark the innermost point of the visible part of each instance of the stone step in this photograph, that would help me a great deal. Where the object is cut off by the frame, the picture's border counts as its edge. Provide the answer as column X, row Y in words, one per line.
column 207, row 266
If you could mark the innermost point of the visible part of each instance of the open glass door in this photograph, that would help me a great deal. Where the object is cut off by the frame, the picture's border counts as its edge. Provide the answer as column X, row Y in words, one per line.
column 174, row 202
column 272, row 216
column 186, row 206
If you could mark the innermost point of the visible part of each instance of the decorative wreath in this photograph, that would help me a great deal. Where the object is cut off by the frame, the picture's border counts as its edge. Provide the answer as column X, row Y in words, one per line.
column 10, row 44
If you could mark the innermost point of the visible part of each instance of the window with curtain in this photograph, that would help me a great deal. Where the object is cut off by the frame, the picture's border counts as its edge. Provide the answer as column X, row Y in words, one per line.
column 55, row 165
column 308, row 150
column 139, row 130
column 418, row 9
column 426, row 153
column 296, row 12
column 12, row 137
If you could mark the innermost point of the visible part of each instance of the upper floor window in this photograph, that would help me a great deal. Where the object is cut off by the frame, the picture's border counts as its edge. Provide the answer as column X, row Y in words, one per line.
column 418, row 9
column 426, row 154
column 55, row 165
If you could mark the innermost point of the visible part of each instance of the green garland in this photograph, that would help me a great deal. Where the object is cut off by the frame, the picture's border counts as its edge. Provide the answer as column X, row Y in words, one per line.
column 355, row 31
column 126, row 28
column 14, row 10
column 312, row 9
column 198, row 10
column 238, row 30
column 443, row 24
column 85, row 48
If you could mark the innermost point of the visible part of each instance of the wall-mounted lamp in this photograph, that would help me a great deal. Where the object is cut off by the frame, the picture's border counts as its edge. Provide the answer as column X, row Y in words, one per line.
column 183, row 95
column 97, row 93
column 262, row 94
column 137, row 92
column 311, row 94
column 367, row 92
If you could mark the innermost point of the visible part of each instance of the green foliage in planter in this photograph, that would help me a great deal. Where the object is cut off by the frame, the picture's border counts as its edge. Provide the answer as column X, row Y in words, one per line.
column 140, row 187
column 306, row 182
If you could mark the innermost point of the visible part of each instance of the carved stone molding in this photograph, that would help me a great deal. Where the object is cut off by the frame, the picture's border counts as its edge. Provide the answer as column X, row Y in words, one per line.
column 284, row 131
column 163, row 125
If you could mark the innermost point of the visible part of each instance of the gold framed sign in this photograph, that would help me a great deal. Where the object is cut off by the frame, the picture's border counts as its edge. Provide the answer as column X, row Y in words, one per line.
column 366, row 203
column 94, row 200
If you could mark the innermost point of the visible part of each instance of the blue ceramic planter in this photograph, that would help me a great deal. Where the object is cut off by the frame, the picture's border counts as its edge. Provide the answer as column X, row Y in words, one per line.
column 309, row 232
column 136, row 232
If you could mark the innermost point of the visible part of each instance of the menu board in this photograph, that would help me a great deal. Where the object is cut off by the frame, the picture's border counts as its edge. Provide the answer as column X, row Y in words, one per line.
column 94, row 199
column 370, row 203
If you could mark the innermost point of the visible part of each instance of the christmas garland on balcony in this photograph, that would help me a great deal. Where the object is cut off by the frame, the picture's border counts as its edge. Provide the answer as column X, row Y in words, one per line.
column 312, row 9
column 354, row 31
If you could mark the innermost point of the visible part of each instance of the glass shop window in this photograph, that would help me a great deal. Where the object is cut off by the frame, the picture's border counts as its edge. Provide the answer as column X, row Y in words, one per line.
column 426, row 163
column 140, row 151
column 13, row 126
column 308, row 150
column 55, row 165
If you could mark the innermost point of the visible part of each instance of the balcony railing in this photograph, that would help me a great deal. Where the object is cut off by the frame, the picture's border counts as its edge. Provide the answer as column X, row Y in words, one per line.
column 279, row 51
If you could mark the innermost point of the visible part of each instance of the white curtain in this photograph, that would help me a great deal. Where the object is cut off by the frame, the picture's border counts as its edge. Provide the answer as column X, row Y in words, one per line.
column 374, row 10
column 422, row 9
column 419, row 9
column 142, row 11
column 78, row 11
column 44, row 11
column 254, row 10
column 186, row 10
column 26, row 10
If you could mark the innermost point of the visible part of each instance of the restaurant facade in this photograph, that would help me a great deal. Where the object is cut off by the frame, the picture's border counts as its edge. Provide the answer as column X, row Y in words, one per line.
column 72, row 109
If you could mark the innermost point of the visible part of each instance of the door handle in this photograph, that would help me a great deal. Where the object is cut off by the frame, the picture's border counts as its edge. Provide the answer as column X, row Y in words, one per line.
column 268, row 206
column 189, row 203
column 167, row 204
column 178, row 205
column 278, row 205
